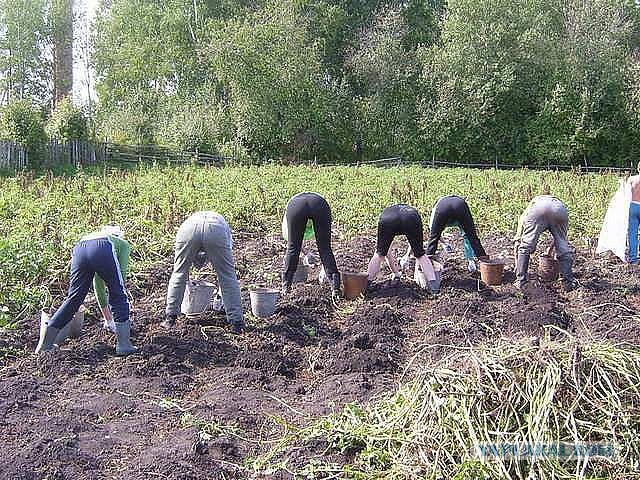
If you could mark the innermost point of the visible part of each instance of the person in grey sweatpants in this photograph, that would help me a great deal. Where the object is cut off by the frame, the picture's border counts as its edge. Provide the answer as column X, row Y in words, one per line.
column 206, row 232
column 544, row 213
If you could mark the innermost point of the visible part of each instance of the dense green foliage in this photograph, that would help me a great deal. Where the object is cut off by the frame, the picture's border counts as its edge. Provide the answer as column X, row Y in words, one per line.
column 42, row 217
column 67, row 122
column 22, row 123
column 526, row 81
column 523, row 81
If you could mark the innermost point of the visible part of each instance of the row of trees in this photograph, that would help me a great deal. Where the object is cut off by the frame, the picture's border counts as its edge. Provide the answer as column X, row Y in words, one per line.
column 22, row 122
column 36, row 53
column 522, row 81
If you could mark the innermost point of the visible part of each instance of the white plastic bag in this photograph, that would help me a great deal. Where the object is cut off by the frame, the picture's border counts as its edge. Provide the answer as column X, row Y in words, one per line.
column 614, row 232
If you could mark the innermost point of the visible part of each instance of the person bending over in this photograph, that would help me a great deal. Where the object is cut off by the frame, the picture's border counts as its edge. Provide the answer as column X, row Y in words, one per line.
column 634, row 217
column 201, row 237
column 544, row 213
column 453, row 211
column 404, row 220
column 305, row 211
column 101, row 258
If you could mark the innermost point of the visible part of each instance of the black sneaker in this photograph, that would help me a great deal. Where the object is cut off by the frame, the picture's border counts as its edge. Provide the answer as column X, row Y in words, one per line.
column 237, row 329
column 335, row 282
column 569, row 285
column 169, row 322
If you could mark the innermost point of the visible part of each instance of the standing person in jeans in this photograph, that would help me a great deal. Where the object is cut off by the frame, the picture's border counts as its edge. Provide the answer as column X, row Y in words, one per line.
column 544, row 213
column 101, row 258
column 302, row 209
column 634, row 217
column 453, row 211
column 404, row 220
column 205, row 233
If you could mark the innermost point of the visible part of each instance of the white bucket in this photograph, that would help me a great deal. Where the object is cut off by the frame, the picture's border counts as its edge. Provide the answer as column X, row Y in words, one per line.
column 263, row 301
column 197, row 297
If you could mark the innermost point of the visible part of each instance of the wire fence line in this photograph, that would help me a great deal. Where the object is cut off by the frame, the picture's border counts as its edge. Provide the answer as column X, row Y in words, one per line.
column 14, row 157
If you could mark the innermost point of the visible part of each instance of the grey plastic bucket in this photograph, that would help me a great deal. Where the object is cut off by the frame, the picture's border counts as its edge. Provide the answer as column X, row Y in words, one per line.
column 263, row 301
column 302, row 273
column 73, row 329
column 197, row 297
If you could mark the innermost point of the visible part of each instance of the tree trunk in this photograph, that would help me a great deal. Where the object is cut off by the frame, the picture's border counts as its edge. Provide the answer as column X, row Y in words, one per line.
column 62, row 17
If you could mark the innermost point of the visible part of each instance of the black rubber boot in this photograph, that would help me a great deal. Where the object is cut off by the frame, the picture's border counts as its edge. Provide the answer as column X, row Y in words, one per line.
column 169, row 322
column 369, row 287
column 335, row 284
column 286, row 287
column 522, row 270
column 48, row 335
column 287, row 281
column 566, row 272
column 123, row 343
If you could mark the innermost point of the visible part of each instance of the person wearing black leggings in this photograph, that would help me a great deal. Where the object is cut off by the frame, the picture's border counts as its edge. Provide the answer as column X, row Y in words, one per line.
column 304, row 209
column 453, row 211
column 404, row 220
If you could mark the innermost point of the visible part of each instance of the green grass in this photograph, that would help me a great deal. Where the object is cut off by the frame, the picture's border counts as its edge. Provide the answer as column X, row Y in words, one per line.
column 41, row 217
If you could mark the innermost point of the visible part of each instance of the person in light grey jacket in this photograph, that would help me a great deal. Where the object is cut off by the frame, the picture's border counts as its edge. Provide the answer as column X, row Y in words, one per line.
column 544, row 213
column 205, row 235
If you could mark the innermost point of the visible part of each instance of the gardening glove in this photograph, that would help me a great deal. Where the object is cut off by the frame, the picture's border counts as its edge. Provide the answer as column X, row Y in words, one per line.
column 419, row 277
column 322, row 276
column 309, row 259
column 108, row 323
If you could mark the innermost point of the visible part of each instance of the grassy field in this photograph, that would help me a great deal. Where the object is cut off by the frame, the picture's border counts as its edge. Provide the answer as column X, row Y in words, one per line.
column 42, row 216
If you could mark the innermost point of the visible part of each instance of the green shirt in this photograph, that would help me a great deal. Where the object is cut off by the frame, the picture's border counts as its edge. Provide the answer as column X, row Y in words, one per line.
column 122, row 250
column 308, row 230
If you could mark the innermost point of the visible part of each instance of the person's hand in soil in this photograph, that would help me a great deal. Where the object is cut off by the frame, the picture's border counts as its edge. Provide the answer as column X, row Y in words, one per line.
column 108, row 323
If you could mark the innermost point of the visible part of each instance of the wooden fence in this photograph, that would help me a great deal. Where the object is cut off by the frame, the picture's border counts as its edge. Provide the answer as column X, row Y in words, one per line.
column 157, row 154
column 12, row 156
column 76, row 152
column 15, row 157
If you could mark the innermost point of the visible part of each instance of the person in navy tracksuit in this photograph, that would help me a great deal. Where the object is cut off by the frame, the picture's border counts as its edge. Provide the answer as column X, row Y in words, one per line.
column 100, row 258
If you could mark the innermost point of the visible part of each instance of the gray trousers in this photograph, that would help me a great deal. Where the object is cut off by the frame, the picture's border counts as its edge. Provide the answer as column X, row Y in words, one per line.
column 546, row 213
column 208, row 232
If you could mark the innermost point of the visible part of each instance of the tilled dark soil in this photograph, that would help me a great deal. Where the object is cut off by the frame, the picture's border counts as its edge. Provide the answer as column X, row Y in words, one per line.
column 82, row 413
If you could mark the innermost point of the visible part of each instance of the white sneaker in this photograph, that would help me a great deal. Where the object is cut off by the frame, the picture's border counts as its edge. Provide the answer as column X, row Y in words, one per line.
column 472, row 266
